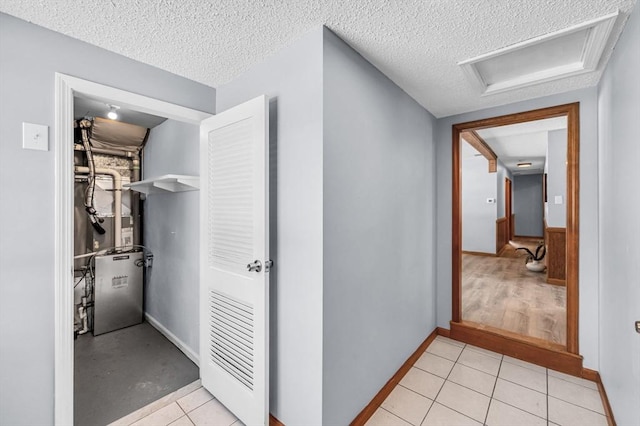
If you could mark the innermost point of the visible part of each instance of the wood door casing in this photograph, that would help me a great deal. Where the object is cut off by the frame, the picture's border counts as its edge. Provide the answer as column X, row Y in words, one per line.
column 508, row 207
column 571, row 111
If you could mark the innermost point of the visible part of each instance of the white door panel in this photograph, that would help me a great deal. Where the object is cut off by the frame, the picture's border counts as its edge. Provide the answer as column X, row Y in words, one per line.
column 234, row 301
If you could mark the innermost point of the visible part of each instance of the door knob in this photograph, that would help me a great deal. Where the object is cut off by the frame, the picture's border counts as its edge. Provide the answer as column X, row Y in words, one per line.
column 256, row 266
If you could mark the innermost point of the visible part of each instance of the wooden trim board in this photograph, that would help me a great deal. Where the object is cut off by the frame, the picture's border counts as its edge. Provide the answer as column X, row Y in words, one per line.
column 273, row 421
column 594, row 376
column 379, row 398
column 532, row 350
column 476, row 141
column 555, row 281
column 479, row 253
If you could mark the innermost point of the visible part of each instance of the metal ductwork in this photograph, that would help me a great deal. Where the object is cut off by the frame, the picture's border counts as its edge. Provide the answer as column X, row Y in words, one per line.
column 111, row 134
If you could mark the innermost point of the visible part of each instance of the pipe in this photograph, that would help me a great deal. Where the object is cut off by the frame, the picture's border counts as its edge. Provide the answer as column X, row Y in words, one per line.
column 107, row 151
column 117, row 200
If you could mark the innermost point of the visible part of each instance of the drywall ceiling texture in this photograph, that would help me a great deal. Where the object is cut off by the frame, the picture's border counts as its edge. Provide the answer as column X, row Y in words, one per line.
column 415, row 43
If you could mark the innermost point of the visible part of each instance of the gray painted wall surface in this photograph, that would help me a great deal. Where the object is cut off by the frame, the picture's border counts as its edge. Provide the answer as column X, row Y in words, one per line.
column 503, row 173
column 478, row 216
column 171, row 231
column 589, row 322
column 30, row 55
column 556, row 214
column 379, row 177
column 293, row 80
column 619, row 110
column 527, row 205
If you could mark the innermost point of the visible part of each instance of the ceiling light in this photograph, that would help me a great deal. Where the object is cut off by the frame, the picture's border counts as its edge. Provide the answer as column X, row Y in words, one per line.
column 112, row 114
column 524, row 164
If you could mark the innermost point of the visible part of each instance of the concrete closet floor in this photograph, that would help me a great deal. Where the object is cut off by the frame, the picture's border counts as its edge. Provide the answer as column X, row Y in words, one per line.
column 119, row 372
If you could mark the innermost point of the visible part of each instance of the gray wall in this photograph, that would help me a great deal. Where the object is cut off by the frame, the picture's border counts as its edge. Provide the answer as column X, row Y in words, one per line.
column 589, row 322
column 478, row 216
column 502, row 173
column 528, row 205
column 171, row 231
column 618, row 113
column 556, row 214
column 379, row 177
column 29, row 56
column 293, row 80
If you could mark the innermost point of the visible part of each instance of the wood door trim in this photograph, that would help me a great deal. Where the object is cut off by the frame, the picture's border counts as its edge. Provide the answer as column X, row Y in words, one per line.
column 536, row 351
column 571, row 111
column 476, row 141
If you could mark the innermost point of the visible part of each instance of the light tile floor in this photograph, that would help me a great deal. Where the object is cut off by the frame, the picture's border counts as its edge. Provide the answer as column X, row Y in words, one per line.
column 196, row 408
column 457, row 384
column 450, row 384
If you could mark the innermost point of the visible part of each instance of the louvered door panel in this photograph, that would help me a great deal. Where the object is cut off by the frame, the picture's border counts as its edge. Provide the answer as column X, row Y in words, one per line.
column 230, row 195
column 234, row 326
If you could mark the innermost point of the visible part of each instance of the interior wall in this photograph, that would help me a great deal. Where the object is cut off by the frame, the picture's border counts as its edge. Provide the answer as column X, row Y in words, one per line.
column 528, row 205
column 379, row 186
column 618, row 113
column 478, row 216
column 556, row 210
column 171, row 232
column 588, row 297
column 30, row 55
column 293, row 81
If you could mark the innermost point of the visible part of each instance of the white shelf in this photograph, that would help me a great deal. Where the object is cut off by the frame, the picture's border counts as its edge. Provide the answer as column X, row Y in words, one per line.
column 165, row 183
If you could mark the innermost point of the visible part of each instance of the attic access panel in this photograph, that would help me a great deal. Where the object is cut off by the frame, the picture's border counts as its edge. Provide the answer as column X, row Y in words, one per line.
column 571, row 51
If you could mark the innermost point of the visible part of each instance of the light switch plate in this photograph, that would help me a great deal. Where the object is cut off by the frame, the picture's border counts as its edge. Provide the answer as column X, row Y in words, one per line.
column 35, row 136
column 558, row 199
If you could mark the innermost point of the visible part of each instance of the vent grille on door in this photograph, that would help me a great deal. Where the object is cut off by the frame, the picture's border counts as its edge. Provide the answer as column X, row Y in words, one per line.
column 232, row 336
column 230, row 212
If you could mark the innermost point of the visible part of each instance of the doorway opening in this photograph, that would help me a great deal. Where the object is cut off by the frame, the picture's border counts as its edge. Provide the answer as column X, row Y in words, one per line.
column 108, row 232
column 122, row 318
column 503, row 228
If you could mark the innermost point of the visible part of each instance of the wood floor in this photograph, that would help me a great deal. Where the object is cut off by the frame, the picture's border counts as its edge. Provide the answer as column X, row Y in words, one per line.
column 500, row 292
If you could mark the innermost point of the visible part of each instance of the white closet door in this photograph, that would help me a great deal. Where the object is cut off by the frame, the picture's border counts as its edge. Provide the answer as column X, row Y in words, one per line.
column 234, row 251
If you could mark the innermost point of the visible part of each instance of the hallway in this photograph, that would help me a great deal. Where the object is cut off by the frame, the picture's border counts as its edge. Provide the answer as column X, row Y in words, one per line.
column 500, row 292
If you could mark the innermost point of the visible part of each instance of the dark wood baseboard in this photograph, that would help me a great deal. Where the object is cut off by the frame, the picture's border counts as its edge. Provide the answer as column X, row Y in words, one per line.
column 555, row 281
column 504, row 247
column 377, row 400
column 594, row 376
column 528, row 237
column 528, row 349
column 479, row 253
column 274, row 422
column 444, row 332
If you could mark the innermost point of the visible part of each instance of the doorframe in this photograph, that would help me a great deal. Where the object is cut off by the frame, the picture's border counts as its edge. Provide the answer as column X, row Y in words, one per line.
column 66, row 88
column 508, row 206
column 512, row 343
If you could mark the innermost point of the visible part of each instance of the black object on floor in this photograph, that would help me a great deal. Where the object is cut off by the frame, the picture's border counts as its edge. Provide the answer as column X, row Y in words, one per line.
column 119, row 372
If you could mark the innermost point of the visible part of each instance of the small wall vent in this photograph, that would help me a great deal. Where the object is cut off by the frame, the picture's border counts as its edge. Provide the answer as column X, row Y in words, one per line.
column 571, row 51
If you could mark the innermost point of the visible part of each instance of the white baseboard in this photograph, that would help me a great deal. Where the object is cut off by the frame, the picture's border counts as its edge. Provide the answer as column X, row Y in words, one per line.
column 193, row 356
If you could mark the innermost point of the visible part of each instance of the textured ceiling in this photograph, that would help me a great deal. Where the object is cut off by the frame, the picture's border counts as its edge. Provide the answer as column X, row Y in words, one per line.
column 416, row 43
column 522, row 142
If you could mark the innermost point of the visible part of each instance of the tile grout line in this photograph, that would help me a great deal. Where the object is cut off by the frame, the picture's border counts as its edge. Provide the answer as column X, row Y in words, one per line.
column 547, row 370
column 576, row 405
column 447, row 380
column 486, row 416
column 393, row 414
